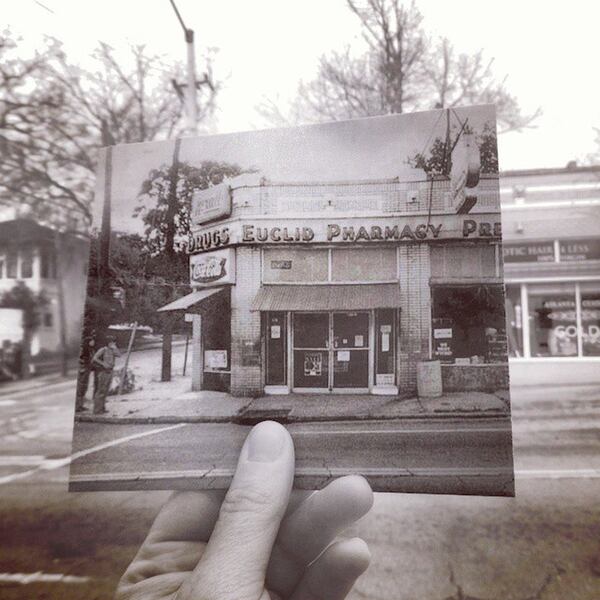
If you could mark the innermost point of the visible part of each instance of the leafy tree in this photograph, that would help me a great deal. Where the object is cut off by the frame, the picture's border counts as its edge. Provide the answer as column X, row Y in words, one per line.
column 21, row 297
column 154, row 200
column 54, row 116
column 438, row 161
column 402, row 70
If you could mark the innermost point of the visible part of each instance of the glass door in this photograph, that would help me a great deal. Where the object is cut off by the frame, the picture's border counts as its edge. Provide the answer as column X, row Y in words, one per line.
column 350, row 350
column 311, row 350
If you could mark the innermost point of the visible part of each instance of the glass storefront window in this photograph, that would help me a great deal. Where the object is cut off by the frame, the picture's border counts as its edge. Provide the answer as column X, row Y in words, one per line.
column 471, row 322
column 552, row 320
column 514, row 320
column 590, row 318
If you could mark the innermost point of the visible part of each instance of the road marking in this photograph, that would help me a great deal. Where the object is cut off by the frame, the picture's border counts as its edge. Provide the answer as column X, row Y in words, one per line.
column 21, row 461
column 7, row 402
column 39, row 577
column 50, row 464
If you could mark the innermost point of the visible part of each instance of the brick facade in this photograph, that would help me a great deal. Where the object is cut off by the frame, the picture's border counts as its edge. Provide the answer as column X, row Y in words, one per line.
column 254, row 200
column 246, row 355
column 415, row 313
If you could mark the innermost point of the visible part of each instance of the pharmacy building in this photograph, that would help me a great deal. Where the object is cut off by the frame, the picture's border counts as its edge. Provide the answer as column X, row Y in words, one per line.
column 345, row 286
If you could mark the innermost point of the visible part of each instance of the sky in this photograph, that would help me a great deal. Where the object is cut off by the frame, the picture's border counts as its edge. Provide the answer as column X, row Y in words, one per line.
column 547, row 50
column 373, row 148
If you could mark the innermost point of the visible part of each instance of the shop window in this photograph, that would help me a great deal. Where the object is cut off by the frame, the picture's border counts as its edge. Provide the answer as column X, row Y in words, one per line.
column 590, row 318
column 11, row 265
column 553, row 320
column 471, row 321
column 289, row 265
column 363, row 264
column 26, row 264
column 514, row 320
column 48, row 320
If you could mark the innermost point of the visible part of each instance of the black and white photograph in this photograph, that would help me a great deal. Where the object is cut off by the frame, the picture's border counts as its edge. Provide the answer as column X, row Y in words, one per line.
column 299, row 300
column 343, row 279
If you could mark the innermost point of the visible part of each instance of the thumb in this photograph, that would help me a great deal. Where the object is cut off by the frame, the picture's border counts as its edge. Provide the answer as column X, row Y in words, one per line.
column 235, row 560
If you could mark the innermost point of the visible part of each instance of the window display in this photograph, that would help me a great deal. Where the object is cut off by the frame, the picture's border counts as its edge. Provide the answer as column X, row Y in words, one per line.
column 473, row 316
column 590, row 318
column 553, row 320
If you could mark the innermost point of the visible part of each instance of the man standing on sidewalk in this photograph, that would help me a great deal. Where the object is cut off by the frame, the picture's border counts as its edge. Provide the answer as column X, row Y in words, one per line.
column 104, row 363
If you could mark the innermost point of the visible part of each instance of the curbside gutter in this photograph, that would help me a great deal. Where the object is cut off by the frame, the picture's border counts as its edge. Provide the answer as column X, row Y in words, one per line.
column 170, row 419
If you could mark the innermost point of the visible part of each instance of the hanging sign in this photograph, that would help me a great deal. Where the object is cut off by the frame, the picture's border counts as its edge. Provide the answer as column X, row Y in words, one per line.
column 465, row 172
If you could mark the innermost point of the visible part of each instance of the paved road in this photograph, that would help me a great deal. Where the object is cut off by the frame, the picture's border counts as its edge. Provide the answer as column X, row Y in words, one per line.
column 455, row 456
column 542, row 544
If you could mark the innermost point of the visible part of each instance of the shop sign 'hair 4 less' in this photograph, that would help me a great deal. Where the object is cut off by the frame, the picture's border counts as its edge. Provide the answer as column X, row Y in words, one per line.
column 345, row 279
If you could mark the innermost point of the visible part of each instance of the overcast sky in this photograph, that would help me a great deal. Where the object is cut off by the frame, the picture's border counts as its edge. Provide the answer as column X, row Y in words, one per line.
column 547, row 49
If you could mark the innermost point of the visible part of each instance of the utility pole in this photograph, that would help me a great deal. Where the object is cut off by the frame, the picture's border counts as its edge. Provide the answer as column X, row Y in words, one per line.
column 191, row 107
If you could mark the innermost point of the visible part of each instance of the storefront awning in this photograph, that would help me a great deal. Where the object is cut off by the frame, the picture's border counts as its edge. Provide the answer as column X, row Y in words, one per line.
column 327, row 297
column 191, row 299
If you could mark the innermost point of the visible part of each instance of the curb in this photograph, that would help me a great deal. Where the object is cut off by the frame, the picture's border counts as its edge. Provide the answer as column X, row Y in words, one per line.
column 235, row 419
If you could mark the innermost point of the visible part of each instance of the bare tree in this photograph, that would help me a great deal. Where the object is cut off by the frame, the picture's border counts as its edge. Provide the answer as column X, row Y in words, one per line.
column 402, row 70
column 54, row 116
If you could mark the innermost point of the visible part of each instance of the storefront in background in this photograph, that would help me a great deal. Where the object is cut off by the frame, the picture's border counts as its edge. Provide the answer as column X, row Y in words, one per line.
column 552, row 267
column 344, row 287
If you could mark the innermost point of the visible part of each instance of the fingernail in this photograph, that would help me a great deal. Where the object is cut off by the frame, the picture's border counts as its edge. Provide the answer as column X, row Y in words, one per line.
column 265, row 442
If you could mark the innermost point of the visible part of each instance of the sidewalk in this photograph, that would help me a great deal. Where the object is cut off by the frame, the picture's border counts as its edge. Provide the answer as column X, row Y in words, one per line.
column 173, row 402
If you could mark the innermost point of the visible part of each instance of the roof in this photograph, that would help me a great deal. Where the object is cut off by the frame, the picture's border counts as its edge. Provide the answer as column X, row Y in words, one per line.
column 21, row 230
column 24, row 230
column 327, row 297
column 551, row 171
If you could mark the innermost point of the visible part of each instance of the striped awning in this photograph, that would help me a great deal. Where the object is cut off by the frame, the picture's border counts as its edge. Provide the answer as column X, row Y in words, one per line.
column 187, row 301
column 327, row 297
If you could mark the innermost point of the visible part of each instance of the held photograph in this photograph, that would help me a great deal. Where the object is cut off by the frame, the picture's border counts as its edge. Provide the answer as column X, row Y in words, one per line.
column 344, row 279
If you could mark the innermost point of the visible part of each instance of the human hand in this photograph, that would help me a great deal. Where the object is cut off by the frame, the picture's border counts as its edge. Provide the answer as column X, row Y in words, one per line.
column 257, row 542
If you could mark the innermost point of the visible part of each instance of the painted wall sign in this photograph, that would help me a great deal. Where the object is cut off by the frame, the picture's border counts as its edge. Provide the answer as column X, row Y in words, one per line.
column 213, row 268
column 211, row 204
column 381, row 229
column 532, row 252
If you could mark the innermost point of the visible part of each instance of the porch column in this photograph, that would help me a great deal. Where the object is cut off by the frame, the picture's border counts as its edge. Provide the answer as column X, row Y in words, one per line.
column 197, row 354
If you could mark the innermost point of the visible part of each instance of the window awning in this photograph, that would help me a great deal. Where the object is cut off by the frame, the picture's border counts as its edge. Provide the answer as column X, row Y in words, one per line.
column 187, row 301
column 327, row 297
